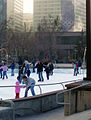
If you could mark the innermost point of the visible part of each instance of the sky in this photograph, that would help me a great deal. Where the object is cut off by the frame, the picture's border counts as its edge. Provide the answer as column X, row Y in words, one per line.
column 28, row 6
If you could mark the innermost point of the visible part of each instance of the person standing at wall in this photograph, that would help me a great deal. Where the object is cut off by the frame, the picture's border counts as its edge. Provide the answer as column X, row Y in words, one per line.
column 30, row 83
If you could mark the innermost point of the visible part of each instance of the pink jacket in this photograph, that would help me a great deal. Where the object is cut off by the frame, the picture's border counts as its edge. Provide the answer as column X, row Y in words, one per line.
column 4, row 68
column 17, row 89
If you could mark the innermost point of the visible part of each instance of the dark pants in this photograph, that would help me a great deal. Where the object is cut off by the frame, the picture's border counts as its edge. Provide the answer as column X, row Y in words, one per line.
column 17, row 95
column 1, row 74
column 34, row 69
column 47, row 75
column 12, row 72
column 75, row 72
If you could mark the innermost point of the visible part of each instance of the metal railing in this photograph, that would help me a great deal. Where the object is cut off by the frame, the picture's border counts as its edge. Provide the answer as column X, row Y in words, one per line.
column 12, row 106
column 41, row 85
column 70, row 98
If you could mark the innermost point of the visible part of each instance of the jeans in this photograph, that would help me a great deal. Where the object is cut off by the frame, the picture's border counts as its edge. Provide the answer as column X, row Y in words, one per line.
column 33, row 69
column 5, row 74
column 75, row 72
column 12, row 72
column 47, row 75
column 79, row 70
column 20, row 80
column 26, row 68
column 32, row 91
column 1, row 74
column 40, row 76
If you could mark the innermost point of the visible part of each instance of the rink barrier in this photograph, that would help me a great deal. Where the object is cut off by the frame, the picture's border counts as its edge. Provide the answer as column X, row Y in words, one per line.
column 39, row 103
column 40, row 85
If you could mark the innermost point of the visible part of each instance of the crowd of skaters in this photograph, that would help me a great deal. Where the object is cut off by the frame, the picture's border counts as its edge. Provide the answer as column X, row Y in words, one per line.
column 24, row 73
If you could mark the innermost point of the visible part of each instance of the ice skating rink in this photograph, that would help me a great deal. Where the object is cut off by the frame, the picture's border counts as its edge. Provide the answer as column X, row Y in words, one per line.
column 60, row 75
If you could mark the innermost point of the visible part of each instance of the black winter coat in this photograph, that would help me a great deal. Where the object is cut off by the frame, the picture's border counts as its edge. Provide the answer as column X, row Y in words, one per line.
column 39, row 67
column 51, row 67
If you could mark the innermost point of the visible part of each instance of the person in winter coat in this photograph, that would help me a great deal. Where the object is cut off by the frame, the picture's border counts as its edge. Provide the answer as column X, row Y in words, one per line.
column 75, row 69
column 4, row 68
column 12, row 66
column 1, row 72
column 39, row 67
column 33, row 66
column 28, row 72
column 21, row 72
column 27, row 64
column 17, row 90
column 79, row 66
column 20, row 62
column 47, row 69
column 51, row 67
column 30, row 83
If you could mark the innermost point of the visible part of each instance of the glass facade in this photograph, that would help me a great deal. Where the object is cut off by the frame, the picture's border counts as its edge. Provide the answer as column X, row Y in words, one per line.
column 71, row 12
column 18, row 14
column 67, row 12
column 3, row 13
column 80, row 15
column 12, row 10
column 73, row 15
column 45, row 8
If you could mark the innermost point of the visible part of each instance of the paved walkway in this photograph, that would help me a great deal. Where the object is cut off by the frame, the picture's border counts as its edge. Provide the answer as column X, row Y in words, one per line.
column 58, row 114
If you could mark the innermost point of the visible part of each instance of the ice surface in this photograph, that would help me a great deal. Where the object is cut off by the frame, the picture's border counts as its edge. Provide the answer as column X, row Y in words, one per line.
column 60, row 75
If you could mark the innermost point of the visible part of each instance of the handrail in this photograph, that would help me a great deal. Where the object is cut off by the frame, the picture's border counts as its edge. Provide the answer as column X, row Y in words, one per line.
column 12, row 106
column 40, row 85
column 69, row 90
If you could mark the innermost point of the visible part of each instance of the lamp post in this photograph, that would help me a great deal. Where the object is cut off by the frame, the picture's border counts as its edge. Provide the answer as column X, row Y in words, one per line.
column 88, row 41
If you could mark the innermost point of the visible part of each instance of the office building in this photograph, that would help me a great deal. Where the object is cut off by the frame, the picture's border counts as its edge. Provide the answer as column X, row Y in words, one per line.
column 44, row 9
column 27, row 21
column 71, row 12
column 12, row 12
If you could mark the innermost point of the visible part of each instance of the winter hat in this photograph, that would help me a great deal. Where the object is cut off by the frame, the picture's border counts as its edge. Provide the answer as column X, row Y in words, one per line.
column 17, row 83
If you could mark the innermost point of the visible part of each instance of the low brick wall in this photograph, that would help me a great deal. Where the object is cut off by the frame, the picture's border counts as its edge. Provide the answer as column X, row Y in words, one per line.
column 37, row 104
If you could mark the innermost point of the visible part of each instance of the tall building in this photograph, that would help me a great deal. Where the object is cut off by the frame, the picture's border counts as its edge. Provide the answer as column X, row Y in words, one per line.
column 45, row 8
column 12, row 12
column 73, row 15
column 71, row 12
column 80, row 15
column 27, row 21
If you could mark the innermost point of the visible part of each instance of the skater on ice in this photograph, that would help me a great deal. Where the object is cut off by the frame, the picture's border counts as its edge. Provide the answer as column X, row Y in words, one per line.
column 39, row 67
column 12, row 66
column 4, row 68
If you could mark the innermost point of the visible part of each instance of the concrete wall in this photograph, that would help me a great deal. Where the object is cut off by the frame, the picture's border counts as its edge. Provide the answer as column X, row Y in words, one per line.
column 6, row 113
column 37, row 104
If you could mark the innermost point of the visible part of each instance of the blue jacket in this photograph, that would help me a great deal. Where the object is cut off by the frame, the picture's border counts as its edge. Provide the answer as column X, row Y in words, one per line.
column 12, row 66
